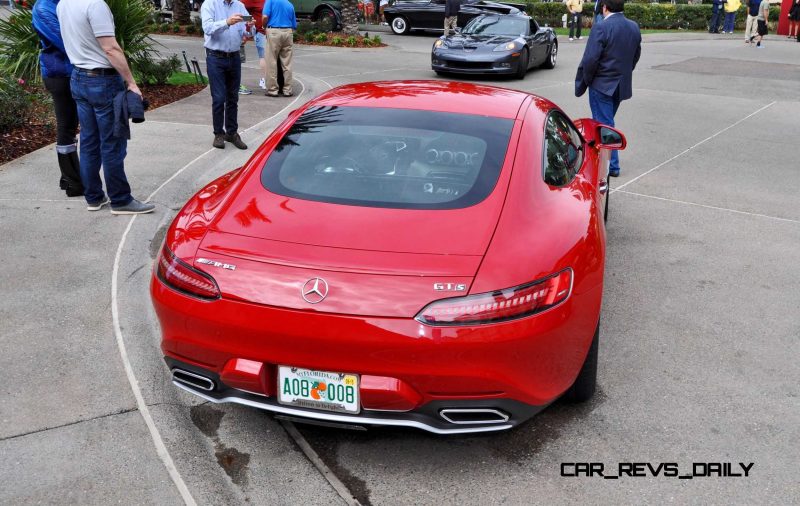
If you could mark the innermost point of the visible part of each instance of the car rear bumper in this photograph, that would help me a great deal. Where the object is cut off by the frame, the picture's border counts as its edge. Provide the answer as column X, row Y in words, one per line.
column 515, row 368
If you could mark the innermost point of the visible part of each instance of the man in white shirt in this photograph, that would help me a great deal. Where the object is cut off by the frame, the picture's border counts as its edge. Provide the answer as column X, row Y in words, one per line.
column 100, row 72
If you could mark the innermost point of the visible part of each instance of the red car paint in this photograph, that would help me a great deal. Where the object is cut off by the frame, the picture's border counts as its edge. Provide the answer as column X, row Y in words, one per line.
column 381, row 265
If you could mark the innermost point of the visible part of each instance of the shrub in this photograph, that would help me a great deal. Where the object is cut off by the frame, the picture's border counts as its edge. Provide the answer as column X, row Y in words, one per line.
column 321, row 38
column 19, row 46
column 352, row 41
column 164, row 28
column 648, row 15
column 15, row 103
column 336, row 40
column 190, row 29
column 176, row 28
column 376, row 40
column 157, row 71
column 366, row 41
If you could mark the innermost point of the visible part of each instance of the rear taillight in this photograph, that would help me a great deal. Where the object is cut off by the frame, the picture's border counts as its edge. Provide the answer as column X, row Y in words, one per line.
column 182, row 277
column 502, row 305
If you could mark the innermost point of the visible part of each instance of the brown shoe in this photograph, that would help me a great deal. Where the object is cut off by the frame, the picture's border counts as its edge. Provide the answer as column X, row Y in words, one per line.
column 219, row 141
column 268, row 94
column 236, row 141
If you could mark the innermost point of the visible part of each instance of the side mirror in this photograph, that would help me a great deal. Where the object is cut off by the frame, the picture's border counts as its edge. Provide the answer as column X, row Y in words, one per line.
column 610, row 138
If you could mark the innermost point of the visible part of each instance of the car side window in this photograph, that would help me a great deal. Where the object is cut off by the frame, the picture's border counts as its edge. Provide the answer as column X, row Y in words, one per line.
column 563, row 150
column 534, row 27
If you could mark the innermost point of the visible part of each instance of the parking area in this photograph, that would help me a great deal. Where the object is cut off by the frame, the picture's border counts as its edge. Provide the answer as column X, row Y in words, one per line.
column 700, row 331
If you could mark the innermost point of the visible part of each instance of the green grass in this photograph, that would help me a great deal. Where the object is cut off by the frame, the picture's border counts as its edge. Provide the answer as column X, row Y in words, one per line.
column 182, row 78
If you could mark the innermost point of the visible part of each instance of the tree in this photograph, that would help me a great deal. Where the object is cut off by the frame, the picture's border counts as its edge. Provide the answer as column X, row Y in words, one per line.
column 180, row 12
column 350, row 17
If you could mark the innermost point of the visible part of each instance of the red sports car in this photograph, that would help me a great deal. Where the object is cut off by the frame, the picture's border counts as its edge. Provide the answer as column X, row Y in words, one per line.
column 421, row 254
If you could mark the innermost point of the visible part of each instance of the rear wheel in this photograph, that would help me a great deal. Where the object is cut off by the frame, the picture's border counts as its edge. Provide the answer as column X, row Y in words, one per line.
column 522, row 66
column 550, row 62
column 326, row 19
column 586, row 382
column 400, row 25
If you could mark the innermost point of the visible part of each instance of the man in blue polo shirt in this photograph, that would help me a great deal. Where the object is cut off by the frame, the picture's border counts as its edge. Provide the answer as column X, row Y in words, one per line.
column 279, row 24
column 224, row 32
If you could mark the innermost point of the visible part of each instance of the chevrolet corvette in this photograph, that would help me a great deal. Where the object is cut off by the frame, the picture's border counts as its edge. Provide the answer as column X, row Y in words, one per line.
column 417, row 254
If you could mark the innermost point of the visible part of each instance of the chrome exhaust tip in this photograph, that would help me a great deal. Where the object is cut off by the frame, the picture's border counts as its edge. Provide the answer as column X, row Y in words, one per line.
column 470, row 416
column 193, row 380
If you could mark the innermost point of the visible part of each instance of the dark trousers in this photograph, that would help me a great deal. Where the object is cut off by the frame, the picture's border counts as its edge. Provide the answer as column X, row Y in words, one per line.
column 730, row 21
column 575, row 25
column 713, row 25
column 604, row 108
column 65, row 108
column 224, row 77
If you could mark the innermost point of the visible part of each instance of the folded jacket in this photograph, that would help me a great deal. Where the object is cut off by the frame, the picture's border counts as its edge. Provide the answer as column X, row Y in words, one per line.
column 127, row 106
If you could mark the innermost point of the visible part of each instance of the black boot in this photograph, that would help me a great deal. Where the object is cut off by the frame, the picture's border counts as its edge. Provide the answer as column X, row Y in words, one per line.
column 70, row 174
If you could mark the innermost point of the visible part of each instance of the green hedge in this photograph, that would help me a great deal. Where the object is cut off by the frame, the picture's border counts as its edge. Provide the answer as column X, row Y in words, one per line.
column 652, row 16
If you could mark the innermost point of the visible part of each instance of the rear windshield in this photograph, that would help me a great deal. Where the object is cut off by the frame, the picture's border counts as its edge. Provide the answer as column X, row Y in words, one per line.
column 394, row 158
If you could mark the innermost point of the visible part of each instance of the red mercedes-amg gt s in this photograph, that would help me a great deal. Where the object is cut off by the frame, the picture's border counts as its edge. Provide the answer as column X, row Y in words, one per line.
column 418, row 254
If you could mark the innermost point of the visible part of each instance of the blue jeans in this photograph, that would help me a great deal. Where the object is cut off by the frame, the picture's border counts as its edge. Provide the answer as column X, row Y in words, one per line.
column 224, row 77
column 730, row 20
column 604, row 107
column 95, row 99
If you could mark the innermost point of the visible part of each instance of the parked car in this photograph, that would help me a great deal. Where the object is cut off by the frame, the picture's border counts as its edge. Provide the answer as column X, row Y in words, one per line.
column 407, row 15
column 410, row 253
column 496, row 44
column 327, row 12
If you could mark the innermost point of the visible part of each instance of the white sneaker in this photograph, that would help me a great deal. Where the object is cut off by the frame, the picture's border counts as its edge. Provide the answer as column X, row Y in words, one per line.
column 262, row 84
column 571, row 39
column 98, row 205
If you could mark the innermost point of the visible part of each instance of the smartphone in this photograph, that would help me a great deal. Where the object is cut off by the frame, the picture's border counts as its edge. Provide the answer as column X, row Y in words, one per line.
column 247, row 18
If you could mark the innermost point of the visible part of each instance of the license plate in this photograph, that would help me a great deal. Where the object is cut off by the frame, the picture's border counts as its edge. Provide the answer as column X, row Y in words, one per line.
column 329, row 391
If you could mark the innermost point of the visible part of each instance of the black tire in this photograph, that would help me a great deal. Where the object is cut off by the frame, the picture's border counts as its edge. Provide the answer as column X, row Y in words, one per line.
column 326, row 19
column 440, row 73
column 522, row 66
column 400, row 25
column 552, row 56
column 586, row 382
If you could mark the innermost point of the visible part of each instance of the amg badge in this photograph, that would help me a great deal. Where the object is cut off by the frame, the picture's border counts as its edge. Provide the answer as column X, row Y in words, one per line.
column 214, row 263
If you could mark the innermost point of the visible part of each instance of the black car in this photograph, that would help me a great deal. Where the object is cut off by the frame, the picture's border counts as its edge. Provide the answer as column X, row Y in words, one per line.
column 405, row 16
column 496, row 44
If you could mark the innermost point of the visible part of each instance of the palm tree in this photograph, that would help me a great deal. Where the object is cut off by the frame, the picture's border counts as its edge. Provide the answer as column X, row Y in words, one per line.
column 350, row 17
column 180, row 12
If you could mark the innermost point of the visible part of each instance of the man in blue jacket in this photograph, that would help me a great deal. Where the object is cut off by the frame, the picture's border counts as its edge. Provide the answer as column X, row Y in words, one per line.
column 606, row 69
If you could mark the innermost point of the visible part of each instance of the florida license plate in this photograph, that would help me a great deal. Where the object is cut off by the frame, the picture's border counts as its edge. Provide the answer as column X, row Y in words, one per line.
column 329, row 391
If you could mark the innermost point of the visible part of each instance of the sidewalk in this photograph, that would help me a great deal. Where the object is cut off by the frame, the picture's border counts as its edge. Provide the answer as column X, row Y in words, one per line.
column 71, row 428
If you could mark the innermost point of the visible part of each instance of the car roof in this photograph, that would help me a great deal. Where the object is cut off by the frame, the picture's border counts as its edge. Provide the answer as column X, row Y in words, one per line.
column 442, row 96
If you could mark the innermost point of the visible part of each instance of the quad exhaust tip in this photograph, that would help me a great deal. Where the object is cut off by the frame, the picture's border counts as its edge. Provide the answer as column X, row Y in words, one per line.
column 469, row 416
column 193, row 380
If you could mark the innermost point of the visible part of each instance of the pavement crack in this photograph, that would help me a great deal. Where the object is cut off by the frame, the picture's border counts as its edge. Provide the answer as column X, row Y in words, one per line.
column 77, row 422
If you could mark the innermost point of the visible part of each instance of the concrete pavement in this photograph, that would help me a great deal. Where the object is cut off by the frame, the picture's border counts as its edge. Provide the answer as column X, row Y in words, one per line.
column 700, row 327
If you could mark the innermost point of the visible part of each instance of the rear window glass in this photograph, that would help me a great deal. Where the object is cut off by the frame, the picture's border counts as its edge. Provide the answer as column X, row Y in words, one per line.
column 396, row 158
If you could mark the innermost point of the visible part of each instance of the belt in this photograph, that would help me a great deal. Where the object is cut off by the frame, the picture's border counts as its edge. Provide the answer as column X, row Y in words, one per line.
column 279, row 27
column 97, row 72
column 221, row 54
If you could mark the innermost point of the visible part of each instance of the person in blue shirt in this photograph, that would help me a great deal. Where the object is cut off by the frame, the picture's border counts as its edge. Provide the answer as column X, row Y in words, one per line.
column 279, row 24
column 716, row 15
column 225, row 31
column 56, row 71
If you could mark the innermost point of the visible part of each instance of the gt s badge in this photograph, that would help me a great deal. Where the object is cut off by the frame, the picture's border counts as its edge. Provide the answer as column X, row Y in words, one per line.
column 450, row 287
column 214, row 263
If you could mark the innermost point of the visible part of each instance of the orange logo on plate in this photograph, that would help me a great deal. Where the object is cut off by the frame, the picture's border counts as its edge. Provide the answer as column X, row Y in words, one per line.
column 317, row 388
